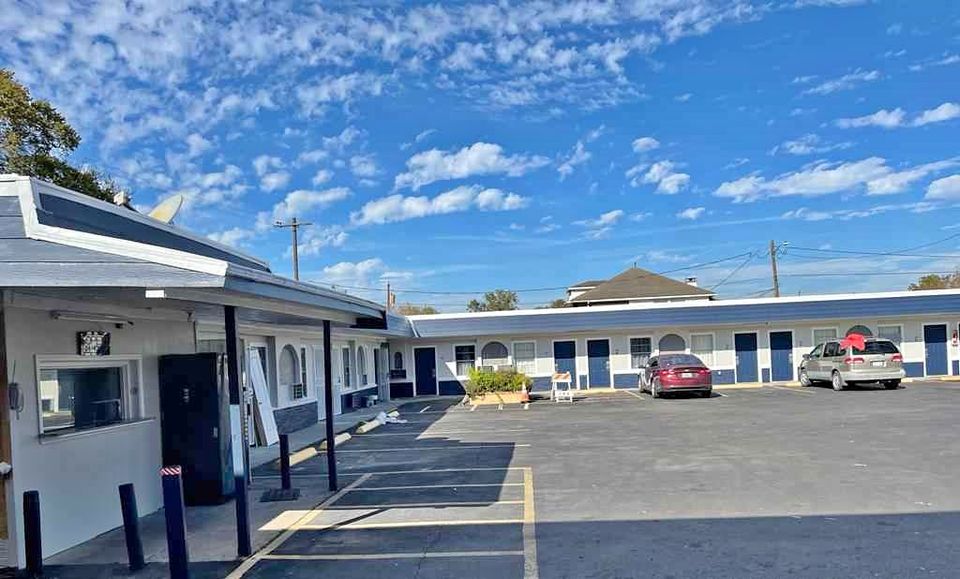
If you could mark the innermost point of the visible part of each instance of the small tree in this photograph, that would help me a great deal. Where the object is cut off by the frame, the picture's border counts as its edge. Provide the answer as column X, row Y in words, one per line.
column 495, row 301
column 35, row 139
column 557, row 303
column 416, row 310
column 934, row 281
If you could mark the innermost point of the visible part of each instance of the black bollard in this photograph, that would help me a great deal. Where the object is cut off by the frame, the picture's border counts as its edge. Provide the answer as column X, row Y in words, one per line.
column 176, row 522
column 131, row 526
column 285, row 483
column 32, row 540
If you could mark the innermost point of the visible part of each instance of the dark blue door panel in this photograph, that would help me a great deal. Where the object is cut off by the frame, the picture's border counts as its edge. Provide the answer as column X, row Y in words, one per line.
column 746, row 348
column 425, row 365
column 935, row 342
column 598, row 355
column 565, row 358
column 781, row 356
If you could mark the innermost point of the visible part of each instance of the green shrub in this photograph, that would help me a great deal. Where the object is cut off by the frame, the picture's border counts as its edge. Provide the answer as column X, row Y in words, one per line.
column 485, row 381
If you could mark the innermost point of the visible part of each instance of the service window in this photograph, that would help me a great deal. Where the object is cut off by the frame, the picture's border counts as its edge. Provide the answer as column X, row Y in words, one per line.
column 78, row 394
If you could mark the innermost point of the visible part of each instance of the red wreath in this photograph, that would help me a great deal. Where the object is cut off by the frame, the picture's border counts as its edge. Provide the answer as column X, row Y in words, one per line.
column 855, row 340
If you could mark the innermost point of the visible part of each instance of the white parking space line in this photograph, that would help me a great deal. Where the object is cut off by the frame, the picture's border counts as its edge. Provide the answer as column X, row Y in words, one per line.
column 438, row 433
column 793, row 390
column 435, row 470
column 423, row 505
column 531, row 570
column 634, row 394
column 381, row 556
column 410, row 524
column 284, row 536
column 486, row 446
column 424, row 409
column 452, row 486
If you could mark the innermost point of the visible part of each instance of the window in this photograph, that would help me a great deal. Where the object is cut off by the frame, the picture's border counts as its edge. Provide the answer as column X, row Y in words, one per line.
column 672, row 343
column 892, row 333
column 824, row 335
column 300, row 390
column 640, row 350
column 525, row 357
column 362, row 365
column 77, row 395
column 466, row 357
column 398, row 361
column 289, row 374
column 701, row 346
column 345, row 373
column 876, row 347
column 817, row 351
column 494, row 354
column 831, row 349
column 860, row 329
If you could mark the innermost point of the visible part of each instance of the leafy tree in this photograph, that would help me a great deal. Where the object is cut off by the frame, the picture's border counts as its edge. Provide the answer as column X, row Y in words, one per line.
column 557, row 303
column 35, row 139
column 415, row 310
column 495, row 301
column 933, row 281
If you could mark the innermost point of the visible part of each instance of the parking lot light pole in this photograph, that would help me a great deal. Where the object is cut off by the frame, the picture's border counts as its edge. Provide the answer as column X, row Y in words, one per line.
column 328, row 405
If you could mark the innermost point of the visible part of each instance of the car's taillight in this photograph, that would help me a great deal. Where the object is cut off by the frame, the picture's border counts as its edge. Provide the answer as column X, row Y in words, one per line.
column 853, row 360
column 703, row 371
column 896, row 358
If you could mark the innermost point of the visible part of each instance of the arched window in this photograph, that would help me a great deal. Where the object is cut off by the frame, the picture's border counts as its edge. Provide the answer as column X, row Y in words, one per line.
column 362, row 365
column 398, row 360
column 494, row 354
column 672, row 343
column 860, row 329
column 288, row 375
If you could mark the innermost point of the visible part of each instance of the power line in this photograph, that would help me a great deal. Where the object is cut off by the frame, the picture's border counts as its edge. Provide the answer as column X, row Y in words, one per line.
column 734, row 272
column 874, row 253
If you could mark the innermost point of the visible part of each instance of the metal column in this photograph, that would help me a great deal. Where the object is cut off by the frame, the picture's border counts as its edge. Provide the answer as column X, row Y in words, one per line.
column 237, row 439
column 328, row 404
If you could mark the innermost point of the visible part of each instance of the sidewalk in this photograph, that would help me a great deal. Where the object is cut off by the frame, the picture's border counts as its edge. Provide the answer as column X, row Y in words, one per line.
column 211, row 531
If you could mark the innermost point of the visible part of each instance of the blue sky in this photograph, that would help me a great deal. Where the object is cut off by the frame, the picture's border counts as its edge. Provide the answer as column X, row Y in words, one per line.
column 462, row 146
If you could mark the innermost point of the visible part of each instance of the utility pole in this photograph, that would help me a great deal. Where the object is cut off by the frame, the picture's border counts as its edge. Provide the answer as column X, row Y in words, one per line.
column 388, row 296
column 774, row 248
column 294, row 226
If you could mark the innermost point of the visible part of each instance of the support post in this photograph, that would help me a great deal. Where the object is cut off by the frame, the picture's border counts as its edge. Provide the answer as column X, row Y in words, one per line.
column 328, row 405
column 285, row 483
column 237, row 442
column 175, row 515
column 773, row 268
column 131, row 526
column 32, row 539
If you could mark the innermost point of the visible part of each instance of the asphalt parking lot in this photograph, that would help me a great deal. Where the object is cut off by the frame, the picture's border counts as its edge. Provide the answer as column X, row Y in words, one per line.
column 770, row 482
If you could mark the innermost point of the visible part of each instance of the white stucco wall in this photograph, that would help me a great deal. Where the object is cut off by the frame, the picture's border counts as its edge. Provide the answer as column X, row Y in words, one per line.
column 78, row 476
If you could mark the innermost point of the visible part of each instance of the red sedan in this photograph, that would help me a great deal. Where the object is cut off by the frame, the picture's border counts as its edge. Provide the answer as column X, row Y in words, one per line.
column 669, row 373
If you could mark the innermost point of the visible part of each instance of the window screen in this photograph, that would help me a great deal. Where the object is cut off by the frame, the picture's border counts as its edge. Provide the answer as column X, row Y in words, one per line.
column 701, row 345
column 525, row 357
column 640, row 350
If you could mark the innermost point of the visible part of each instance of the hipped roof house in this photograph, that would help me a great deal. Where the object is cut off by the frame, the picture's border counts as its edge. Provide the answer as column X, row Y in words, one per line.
column 635, row 285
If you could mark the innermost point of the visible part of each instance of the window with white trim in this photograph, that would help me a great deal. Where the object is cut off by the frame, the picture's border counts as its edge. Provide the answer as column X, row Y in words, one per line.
column 525, row 357
column 300, row 390
column 466, row 358
column 824, row 335
column 701, row 346
column 289, row 375
column 495, row 354
column 640, row 350
column 79, row 394
column 362, row 365
column 892, row 333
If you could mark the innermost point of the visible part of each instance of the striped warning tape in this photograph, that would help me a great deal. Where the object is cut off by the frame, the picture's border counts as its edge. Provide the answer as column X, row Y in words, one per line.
column 171, row 471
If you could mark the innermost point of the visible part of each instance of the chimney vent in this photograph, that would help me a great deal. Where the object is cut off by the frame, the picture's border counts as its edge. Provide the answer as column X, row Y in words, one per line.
column 691, row 281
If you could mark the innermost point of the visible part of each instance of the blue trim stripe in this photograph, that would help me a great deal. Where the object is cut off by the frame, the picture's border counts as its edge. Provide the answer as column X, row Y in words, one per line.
column 451, row 388
column 723, row 377
column 626, row 381
column 711, row 315
column 913, row 369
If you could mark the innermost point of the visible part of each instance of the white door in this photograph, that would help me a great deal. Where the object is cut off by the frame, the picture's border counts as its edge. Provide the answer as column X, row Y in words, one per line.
column 318, row 383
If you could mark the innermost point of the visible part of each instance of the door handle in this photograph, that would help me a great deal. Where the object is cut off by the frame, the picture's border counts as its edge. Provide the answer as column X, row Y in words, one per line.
column 433, row 373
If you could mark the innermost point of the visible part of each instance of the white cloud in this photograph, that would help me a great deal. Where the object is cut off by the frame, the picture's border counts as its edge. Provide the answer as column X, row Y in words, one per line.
column 300, row 203
column 845, row 82
column 233, row 237
column 691, row 213
column 264, row 163
column 363, row 166
column 946, row 189
column 882, row 118
column 321, row 177
column 362, row 274
column 578, row 156
column 644, row 144
column 477, row 159
column 600, row 226
column 806, row 214
column 661, row 173
column 898, row 118
column 871, row 175
column 683, row 97
column 315, row 239
column 315, row 97
column 808, row 144
column 944, row 112
column 947, row 59
column 197, row 145
column 274, row 181
column 398, row 207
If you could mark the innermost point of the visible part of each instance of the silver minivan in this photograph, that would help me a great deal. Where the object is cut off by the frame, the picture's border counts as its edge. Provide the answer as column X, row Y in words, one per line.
column 878, row 361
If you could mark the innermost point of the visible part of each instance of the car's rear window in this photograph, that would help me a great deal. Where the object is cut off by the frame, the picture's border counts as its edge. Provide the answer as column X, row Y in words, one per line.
column 680, row 360
column 877, row 348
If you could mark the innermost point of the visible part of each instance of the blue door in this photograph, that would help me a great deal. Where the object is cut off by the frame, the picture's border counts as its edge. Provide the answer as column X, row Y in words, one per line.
column 935, row 341
column 746, row 348
column 781, row 356
column 598, row 356
column 565, row 359
column 425, row 366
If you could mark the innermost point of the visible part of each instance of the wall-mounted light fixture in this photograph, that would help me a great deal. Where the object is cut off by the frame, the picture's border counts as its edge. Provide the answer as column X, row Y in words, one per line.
column 118, row 321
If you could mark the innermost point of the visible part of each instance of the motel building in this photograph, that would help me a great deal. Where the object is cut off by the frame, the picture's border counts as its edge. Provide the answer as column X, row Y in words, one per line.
column 95, row 298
